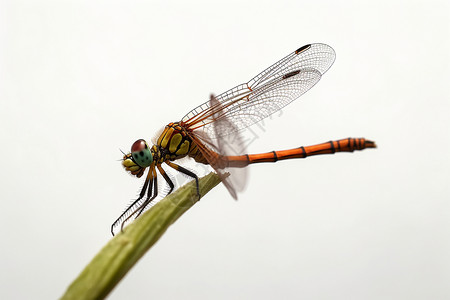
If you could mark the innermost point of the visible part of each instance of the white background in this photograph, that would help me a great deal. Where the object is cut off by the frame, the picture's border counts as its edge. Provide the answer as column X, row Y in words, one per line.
column 81, row 79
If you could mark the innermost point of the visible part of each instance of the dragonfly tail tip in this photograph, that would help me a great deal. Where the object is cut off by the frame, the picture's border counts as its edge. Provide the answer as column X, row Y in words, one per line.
column 370, row 144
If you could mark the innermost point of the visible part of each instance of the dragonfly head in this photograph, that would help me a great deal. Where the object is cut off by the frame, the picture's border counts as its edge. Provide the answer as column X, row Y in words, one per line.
column 138, row 159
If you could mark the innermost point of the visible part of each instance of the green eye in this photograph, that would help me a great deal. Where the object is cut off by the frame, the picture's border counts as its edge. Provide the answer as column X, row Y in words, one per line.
column 141, row 153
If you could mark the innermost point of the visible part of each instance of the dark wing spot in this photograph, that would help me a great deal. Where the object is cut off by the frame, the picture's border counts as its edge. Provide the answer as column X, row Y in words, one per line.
column 290, row 74
column 141, row 153
column 301, row 49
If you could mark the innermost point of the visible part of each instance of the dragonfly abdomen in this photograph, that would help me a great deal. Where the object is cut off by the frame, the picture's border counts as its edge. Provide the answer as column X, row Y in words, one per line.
column 331, row 147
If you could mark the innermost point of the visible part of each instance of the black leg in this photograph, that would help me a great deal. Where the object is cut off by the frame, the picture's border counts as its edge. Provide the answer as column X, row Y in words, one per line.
column 141, row 195
column 167, row 178
column 185, row 171
column 149, row 196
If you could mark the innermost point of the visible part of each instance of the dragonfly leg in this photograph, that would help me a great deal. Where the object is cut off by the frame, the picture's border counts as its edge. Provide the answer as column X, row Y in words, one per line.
column 185, row 171
column 155, row 187
column 167, row 178
column 152, row 189
column 149, row 194
column 148, row 180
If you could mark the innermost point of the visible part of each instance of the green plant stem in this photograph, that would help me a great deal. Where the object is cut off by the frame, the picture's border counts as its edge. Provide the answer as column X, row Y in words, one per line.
column 120, row 254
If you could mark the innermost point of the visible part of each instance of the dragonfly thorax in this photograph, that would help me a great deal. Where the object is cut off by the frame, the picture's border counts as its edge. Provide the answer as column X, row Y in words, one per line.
column 173, row 143
column 176, row 142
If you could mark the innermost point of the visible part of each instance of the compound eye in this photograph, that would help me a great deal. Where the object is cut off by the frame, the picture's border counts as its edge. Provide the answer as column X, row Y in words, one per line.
column 141, row 153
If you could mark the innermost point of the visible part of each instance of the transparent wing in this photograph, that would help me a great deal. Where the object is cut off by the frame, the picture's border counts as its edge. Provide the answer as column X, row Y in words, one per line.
column 216, row 152
column 268, row 92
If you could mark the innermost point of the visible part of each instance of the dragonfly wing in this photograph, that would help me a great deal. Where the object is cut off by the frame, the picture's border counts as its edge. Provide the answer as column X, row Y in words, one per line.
column 314, row 56
column 266, row 100
column 216, row 152
column 266, row 93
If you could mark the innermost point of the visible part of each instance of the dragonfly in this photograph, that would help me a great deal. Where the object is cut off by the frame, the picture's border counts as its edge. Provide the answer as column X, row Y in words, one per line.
column 208, row 132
